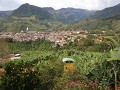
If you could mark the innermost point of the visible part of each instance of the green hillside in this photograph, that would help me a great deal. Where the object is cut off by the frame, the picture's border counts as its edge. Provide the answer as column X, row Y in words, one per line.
column 20, row 24
column 116, row 17
column 95, row 24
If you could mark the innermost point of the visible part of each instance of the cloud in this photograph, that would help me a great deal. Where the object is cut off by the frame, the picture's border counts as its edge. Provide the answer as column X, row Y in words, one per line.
column 112, row 2
column 8, row 4
column 57, row 4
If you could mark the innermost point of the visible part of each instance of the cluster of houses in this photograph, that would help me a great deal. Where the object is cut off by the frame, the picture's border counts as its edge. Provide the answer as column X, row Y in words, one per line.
column 58, row 37
column 12, row 57
column 31, row 35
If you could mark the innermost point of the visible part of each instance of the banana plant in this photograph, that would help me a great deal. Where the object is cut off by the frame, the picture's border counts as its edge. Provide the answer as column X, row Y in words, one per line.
column 114, row 57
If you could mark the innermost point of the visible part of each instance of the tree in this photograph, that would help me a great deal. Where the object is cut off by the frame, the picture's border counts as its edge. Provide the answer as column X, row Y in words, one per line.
column 114, row 56
column 4, row 47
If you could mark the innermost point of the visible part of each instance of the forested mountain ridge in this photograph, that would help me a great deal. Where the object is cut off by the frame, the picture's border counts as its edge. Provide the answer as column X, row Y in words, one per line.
column 47, row 18
column 68, row 15
column 36, row 18
column 65, row 15
column 27, row 10
column 106, row 19
column 107, row 12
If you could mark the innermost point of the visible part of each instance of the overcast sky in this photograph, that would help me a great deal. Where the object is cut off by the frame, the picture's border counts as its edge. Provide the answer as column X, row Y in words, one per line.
column 57, row 4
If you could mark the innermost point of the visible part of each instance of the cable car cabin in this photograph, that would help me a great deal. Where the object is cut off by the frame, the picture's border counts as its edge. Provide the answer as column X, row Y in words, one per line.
column 68, row 65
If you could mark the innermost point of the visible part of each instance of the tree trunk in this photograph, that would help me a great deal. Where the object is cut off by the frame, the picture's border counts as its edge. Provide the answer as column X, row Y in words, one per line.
column 115, row 73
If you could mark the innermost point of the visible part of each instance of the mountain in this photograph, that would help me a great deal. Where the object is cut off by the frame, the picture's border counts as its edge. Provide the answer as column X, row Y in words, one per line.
column 106, row 19
column 27, row 10
column 2, row 15
column 5, row 13
column 111, row 12
column 49, row 9
column 68, row 15
column 64, row 15
column 33, row 17
column 116, row 17
column 47, row 18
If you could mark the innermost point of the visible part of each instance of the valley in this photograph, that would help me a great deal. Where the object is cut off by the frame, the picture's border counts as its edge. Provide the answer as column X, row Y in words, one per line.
column 34, row 41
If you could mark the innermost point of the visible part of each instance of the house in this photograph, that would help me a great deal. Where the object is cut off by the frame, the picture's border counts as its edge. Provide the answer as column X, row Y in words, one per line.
column 68, row 65
column 12, row 57
column 97, row 41
column 16, row 56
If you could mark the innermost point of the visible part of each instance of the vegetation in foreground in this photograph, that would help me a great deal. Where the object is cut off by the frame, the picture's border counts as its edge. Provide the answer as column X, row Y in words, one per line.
column 41, row 66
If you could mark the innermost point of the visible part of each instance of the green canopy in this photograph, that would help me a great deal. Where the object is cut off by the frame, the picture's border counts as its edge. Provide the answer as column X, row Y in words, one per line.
column 114, row 54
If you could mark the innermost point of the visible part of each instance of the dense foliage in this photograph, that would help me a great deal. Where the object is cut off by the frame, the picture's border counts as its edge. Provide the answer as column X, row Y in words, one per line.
column 41, row 67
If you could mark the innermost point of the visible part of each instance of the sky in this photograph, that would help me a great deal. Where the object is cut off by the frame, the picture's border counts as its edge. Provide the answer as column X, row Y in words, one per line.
column 57, row 4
